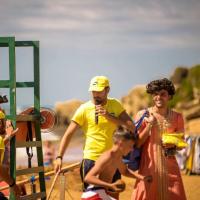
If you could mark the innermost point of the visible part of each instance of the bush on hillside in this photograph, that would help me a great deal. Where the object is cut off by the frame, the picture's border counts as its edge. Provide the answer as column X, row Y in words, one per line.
column 194, row 76
column 187, row 83
column 180, row 73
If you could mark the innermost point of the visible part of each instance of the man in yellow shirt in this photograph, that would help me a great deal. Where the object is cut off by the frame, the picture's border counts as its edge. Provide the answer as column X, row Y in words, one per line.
column 98, row 119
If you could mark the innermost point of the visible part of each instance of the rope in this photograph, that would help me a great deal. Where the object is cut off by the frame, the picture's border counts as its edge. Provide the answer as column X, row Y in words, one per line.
column 29, row 137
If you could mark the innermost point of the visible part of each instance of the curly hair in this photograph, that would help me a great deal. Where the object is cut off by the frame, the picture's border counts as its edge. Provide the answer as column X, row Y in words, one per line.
column 160, row 84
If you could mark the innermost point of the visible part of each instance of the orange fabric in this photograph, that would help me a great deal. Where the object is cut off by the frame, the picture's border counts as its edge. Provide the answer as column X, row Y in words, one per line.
column 5, row 192
column 148, row 166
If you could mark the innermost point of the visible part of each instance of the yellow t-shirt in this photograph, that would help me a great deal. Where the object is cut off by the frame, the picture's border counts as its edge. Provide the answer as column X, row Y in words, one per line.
column 98, row 137
column 2, row 149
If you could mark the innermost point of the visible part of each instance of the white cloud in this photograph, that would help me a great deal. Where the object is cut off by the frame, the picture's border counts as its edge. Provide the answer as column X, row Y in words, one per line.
column 101, row 23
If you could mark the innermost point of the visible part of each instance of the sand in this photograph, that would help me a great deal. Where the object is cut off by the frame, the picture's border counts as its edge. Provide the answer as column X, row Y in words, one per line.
column 73, row 187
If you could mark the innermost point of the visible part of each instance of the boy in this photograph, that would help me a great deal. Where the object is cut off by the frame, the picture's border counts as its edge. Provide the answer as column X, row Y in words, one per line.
column 100, row 176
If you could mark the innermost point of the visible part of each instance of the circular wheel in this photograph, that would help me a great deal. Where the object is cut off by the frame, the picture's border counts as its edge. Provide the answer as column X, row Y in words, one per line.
column 48, row 119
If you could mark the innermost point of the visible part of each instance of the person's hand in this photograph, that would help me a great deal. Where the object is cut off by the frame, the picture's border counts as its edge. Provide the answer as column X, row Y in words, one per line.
column 13, row 133
column 148, row 178
column 100, row 110
column 150, row 119
column 58, row 165
column 10, row 135
column 17, row 192
column 118, row 186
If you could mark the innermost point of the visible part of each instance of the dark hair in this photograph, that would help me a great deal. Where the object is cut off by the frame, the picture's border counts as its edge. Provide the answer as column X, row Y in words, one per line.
column 122, row 133
column 160, row 84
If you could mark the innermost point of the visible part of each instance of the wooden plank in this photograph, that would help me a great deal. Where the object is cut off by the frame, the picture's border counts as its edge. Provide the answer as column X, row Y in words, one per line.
column 29, row 170
column 34, row 196
column 28, row 144
column 25, row 118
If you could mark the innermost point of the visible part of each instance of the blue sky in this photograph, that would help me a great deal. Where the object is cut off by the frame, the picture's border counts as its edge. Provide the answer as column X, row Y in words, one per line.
column 130, row 41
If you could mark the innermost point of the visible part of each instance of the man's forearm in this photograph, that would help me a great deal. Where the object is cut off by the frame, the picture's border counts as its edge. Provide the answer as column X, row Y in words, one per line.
column 115, row 120
column 126, row 123
column 64, row 144
column 67, row 138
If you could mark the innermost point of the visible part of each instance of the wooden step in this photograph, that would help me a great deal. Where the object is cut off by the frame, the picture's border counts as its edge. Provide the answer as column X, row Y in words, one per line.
column 33, row 196
column 28, row 144
column 29, row 170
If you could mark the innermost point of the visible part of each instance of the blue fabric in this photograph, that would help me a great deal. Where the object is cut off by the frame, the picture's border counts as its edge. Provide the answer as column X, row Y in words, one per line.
column 133, row 158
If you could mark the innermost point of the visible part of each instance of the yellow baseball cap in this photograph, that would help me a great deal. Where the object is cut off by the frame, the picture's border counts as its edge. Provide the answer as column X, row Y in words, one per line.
column 98, row 83
column 2, row 115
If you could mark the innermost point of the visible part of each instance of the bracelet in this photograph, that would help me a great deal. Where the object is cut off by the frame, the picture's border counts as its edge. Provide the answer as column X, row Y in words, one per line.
column 11, row 185
column 59, row 157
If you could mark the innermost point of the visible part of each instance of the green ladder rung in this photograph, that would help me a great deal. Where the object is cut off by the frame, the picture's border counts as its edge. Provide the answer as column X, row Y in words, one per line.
column 28, row 144
column 6, row 84
column 24, row 117
column 29, row 170
column 25, row 43
column 24, row 84
column 5, row 41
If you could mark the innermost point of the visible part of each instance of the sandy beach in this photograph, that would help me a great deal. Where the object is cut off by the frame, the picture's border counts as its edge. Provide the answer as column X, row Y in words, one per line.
column 73, row 187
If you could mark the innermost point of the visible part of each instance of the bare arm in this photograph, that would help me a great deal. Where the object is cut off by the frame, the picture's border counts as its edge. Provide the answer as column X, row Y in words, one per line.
column 123, row 119
column 6, row 177
column 142, row 137
column 127, row 172
column 124, row 170
column 73, row 126
column 93, row 175
column 144, row 134
column 127, row 121
column 8, row 137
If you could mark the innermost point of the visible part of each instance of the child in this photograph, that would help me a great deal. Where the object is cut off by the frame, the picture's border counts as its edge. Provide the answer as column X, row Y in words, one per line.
column 3, row 140
column 100, row 176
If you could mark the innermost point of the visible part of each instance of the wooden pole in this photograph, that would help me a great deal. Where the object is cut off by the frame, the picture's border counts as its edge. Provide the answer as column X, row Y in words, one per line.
column 62, row 186
column 52, row 185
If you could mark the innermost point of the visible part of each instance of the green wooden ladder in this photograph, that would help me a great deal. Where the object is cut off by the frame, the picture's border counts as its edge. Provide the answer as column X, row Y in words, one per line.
column 11, row 84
